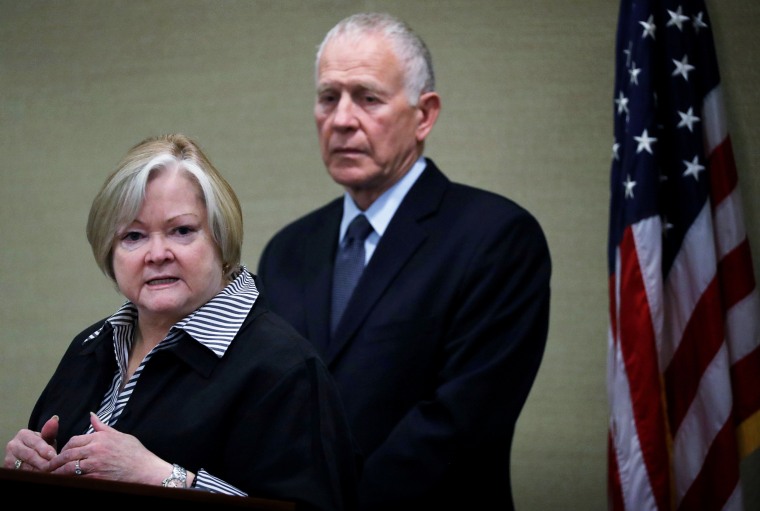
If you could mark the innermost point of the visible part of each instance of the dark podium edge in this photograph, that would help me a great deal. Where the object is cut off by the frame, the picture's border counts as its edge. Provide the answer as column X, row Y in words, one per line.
column 30, row 487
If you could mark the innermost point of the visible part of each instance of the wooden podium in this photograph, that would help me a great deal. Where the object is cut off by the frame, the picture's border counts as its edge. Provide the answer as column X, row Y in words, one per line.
column 34, row 490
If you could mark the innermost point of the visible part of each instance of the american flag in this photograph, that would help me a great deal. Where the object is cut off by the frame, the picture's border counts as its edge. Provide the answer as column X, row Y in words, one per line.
column 684, row 334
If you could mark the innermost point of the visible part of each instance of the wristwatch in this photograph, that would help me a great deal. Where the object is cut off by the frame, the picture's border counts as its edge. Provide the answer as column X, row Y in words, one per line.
column 178, row 479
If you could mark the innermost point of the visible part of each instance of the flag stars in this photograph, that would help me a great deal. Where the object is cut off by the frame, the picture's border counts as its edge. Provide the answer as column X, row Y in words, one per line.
column 693, row 168
column 634, row 72
column 649, row 27
column 628, row 51
column 622, row 103
column 677, row 18
column 628, row 185
column 645, row 142
column 688, row 119
column 615, row 151
column 683, row 67
column 697, row 22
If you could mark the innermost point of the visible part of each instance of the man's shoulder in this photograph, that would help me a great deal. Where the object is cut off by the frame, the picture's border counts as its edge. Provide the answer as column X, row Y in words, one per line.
column 465, row 198
column 483, row 201
column 310, row 221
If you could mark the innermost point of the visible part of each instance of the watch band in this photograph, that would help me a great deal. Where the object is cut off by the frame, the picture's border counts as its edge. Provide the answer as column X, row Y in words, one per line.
column 177, row 479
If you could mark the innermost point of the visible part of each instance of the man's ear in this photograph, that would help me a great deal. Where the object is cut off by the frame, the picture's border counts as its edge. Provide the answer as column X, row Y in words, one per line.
column 428, row 108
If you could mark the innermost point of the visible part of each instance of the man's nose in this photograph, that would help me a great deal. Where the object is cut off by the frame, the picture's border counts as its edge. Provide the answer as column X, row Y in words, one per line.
column 345, row 112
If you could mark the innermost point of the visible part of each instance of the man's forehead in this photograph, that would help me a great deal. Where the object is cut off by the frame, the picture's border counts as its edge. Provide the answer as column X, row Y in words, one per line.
column 361, row 67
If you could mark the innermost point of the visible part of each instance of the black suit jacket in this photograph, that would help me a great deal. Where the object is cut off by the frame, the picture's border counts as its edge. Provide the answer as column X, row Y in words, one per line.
column 439, row 345
column 266, row 417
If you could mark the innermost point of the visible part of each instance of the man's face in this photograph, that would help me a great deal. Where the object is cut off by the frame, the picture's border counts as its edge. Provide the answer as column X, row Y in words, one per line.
column 367, row 128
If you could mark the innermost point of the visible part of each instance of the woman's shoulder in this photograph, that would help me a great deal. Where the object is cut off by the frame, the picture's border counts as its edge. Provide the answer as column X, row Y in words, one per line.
column 268, row 336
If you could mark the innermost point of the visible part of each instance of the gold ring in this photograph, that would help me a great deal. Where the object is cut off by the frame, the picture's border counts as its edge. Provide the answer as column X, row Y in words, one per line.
column 18, row 463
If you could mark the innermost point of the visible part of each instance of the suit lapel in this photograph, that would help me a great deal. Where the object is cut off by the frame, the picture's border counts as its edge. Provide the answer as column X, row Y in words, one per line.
column 402, row 238
column 319, row 255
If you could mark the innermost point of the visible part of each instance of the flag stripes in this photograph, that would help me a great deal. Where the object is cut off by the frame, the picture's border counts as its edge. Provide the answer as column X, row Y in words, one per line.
column 684, row 337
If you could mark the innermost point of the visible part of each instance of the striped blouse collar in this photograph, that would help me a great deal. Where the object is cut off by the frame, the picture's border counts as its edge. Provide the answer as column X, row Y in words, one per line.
column 214, row 325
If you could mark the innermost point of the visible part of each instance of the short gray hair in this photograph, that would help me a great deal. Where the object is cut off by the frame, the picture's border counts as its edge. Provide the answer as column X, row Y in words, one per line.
column 411, row 50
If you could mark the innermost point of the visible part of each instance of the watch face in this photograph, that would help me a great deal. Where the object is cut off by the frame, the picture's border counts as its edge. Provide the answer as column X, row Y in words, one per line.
column 178, row 479
column 175, row 482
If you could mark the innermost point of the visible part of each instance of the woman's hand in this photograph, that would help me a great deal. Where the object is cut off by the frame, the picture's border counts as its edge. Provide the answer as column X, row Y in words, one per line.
column 110, row 454
column 30, row 450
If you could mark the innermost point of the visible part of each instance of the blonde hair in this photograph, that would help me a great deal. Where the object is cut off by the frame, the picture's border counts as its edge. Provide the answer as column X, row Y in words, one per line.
column 120, row 198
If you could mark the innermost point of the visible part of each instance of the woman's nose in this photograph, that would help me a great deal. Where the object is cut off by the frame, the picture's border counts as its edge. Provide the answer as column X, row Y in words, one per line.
column 159, row 249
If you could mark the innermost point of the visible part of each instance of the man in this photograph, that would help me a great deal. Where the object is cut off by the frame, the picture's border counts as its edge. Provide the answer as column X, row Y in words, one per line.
column 442, row 337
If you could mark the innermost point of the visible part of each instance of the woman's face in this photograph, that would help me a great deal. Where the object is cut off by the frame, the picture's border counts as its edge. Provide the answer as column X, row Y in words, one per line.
column 166, row 261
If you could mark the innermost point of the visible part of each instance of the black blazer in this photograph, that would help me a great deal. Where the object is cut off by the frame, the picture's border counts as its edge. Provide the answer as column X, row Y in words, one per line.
column 439, row 345
column 266, row 417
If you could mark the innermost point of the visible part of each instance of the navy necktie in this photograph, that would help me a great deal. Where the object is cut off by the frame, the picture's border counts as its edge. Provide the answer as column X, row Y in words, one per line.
column 349, row 264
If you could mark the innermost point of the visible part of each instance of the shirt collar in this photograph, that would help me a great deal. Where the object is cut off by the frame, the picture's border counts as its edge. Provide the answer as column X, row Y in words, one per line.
column 381, row 211
column 214, row 325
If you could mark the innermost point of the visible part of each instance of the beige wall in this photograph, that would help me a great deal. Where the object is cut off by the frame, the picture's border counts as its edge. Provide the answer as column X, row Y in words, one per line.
column 527, row 95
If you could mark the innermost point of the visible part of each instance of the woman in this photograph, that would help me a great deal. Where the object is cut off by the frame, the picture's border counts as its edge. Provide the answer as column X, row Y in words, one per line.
column 193, row 381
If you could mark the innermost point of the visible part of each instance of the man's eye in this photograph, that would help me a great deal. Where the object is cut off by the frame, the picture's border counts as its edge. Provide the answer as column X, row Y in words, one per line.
column 327, row 98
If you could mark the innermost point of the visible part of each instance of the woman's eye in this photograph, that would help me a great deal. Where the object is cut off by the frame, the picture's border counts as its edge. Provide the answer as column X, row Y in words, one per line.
column 132, row 236
column 184, row 230
column 132, row 239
